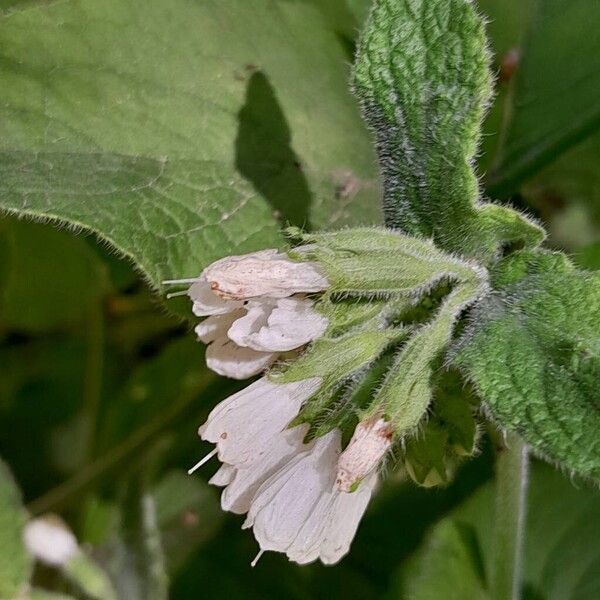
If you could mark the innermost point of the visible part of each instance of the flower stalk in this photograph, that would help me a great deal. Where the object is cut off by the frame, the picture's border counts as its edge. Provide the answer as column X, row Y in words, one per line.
column 512, row 466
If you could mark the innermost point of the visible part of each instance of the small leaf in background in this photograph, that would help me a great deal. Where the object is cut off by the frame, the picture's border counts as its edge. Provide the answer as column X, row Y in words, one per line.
column 423, row 80
column 505, row 24
column 533, row 354
column 567, row 196
column 560, row 558
column 555, row 95
column 133, row 556
column 135, row 132
column 15, row 560
column 188, row 514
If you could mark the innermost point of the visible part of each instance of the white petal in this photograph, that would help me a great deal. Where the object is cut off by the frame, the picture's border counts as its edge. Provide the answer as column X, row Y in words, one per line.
column 224, row 476
column 245, row 424
column 291, row 323
column 50, row 541
column 371, row 440
column 285, row 502
column 306, row 547
column 230, row 360
column 266, row 273
column 206, row 302
column 239, row 493
column 244, row 328
column 345, row 517
column 216, row 326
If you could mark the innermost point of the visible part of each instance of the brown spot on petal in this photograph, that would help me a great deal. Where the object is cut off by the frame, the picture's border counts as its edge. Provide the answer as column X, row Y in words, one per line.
column 223, row 436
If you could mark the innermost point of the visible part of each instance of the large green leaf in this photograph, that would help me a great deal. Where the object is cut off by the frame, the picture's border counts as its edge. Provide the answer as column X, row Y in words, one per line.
column 533, row 353
column 561, row 554
column 15, row 561
column 130, row 119
column 555, row 98
column 423, row 80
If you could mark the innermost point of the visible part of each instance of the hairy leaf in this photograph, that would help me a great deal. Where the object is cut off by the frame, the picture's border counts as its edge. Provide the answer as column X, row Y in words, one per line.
column 140, row 132
column 533, row 353
column 423, row 80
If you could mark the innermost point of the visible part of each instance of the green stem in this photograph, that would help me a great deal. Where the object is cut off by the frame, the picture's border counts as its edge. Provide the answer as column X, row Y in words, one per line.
column 509, row 524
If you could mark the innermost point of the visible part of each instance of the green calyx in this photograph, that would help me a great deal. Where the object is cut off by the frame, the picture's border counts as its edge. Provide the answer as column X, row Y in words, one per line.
column 391, row 310
column 380, row 262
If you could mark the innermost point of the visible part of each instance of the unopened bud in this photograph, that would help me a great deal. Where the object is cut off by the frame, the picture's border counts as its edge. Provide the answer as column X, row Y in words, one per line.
column 371, row 440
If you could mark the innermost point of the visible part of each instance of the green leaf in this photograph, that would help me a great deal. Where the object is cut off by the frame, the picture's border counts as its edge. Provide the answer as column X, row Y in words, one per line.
column 432, row 455
column 555, row 95
column 136, row 132
column 188, row 514
column 446, row 566
column 15, row 561
column 423, row 80
column 52, row 279
column 134, row 557
column 533, row 353
column 560, row 557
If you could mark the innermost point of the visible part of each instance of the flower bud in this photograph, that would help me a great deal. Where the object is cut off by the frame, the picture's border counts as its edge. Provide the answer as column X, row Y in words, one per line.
column 371, row 440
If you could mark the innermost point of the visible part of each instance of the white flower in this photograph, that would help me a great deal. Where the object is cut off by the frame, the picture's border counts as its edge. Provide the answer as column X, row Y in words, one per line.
column 248, row 333
column 240, row 490
column 267, row 273
column 253, row 439
column 278, row 325
column 50, row 541
column 244, row 425
column 369, row 443
column 300, row 511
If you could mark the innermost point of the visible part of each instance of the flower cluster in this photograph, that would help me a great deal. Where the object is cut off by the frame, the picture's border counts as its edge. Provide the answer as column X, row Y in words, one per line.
column 280, row 439
column 256, row 308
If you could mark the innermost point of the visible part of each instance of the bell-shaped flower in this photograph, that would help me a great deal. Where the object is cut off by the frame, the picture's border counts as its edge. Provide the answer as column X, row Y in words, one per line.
column 223, row 355
column 244, row 425
column 242, row 487
column 299, row 510
column 268, row 273
column 255, row 310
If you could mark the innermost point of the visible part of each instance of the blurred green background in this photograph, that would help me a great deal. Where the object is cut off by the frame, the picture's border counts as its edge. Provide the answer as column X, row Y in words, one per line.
column 102, row 388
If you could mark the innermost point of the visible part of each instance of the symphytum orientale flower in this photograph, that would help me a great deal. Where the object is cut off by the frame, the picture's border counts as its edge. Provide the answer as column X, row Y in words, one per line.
column 318, row 323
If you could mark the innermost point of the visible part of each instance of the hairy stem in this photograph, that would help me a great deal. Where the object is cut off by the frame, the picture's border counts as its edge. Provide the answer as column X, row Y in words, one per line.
column 509, row 523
